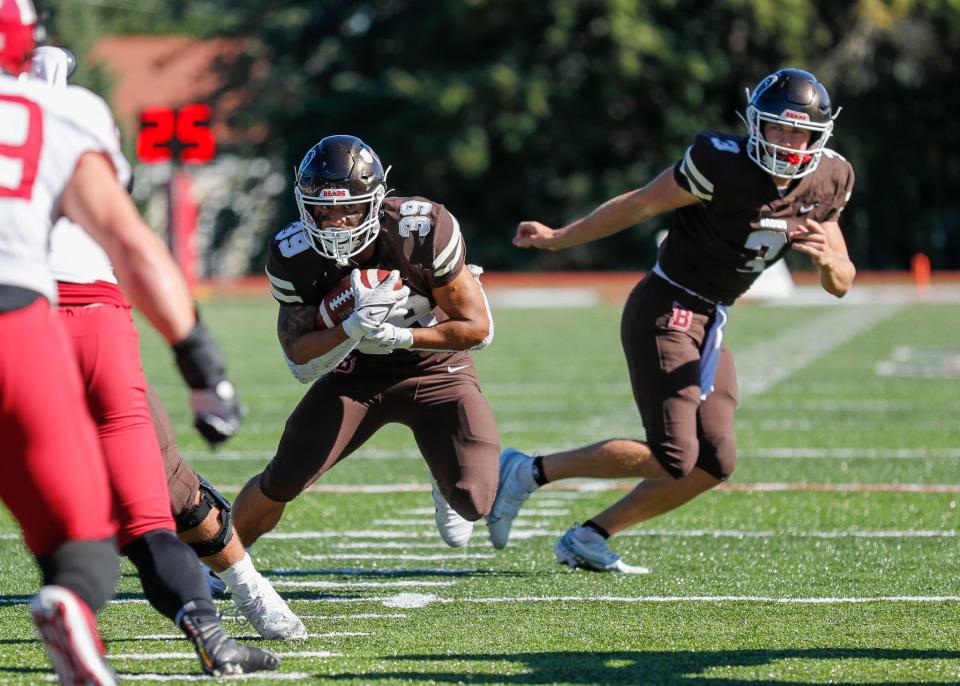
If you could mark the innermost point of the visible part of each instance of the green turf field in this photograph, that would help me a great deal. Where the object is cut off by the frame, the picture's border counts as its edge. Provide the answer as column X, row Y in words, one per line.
column 832, row 558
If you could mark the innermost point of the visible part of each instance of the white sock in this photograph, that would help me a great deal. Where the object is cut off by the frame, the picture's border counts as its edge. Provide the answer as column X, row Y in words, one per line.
column 241, row 576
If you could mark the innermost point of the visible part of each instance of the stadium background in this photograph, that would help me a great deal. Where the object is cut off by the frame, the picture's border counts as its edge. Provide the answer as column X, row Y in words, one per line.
column 511, row 110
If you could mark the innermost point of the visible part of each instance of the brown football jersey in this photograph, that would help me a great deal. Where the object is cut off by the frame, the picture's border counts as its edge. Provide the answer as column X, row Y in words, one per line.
column 418, row 237
column 718, row 247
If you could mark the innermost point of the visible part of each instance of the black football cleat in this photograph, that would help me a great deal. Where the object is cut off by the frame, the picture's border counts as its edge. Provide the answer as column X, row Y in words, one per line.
column 219, row 654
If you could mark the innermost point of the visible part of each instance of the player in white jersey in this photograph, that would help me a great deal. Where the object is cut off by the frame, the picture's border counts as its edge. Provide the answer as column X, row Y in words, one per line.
column 59, row 155
column 131, row 418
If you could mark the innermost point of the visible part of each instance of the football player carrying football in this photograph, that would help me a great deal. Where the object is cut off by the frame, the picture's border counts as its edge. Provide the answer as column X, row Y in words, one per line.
column 739, row 204
column 401, row 356
column 59, row 154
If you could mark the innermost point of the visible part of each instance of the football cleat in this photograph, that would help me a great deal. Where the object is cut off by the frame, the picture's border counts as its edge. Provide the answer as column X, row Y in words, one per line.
column 454, row 529
column 515, row 486
column 269, row 613
column 69, row 633
column 218, row 589
column 583, row 548
column 219, row 654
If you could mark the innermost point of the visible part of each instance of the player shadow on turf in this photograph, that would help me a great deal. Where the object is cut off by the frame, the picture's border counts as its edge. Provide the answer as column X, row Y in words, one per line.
column 656, row 668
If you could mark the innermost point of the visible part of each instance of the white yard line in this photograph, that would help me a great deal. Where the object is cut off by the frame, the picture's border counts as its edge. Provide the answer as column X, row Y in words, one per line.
column 355, row 571
column 399, row 556
column 265, row 676
column 686, row 533
column 416, row 600
column 523, row 534
column 763, row 365
column 389, row 545
column 142, row 657
column 181, row 637
column 362, row 584
column 359, row 615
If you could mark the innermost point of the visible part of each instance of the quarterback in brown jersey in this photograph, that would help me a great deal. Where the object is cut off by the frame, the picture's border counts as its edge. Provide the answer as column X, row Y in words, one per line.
column 739, row 204
column 401, row 356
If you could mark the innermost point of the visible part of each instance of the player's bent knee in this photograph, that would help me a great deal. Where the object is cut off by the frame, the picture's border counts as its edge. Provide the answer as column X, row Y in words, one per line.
column 720, row 457
column 678, row 456
column 191, row 518
column 726, row 457
column 277, row 491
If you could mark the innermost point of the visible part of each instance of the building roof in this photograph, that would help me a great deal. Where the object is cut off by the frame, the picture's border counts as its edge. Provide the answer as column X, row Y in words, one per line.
column 162, row 70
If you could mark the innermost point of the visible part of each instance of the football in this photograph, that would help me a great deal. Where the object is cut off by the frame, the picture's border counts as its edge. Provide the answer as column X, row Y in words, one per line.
column 337, row 304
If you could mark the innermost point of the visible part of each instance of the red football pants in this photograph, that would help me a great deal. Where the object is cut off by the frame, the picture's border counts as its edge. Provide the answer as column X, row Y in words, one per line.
column 53, row 476
column 107, row 352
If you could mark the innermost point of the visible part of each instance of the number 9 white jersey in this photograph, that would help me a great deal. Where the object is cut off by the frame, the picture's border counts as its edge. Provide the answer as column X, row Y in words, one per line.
column 43, row 133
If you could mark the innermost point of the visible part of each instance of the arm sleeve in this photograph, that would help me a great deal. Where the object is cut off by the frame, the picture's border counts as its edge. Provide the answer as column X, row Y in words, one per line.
column 318, row 366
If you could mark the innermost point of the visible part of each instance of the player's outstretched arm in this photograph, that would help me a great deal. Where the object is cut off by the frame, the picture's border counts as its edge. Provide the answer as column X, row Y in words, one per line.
column 636, row 206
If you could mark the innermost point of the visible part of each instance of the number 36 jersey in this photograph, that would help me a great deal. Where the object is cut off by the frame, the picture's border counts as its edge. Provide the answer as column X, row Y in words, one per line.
column 718, row 247
column 43, row 133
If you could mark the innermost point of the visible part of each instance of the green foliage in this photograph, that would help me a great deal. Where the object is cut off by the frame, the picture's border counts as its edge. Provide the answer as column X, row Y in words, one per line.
column 508, row 110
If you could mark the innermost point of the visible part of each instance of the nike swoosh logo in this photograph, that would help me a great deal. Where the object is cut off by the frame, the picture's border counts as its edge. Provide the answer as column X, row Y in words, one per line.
column 453, row 369
column 809, row 208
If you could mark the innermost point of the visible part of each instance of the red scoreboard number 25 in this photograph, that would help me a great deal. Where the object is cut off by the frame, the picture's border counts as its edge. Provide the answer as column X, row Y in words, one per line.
column 176, row 134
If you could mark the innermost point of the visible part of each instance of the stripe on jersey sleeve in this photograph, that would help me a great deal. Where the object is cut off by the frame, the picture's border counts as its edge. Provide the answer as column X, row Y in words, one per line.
column 282, row 290
column 699, row 185
column 448, row 257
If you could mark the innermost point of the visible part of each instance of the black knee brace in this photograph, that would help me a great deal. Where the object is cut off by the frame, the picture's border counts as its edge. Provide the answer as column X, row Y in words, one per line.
column 88, row 568
column 169, row 572
column 209, row 499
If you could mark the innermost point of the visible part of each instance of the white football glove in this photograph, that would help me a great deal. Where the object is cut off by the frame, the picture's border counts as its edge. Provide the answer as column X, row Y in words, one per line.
column 386, row 339
column 372, row 306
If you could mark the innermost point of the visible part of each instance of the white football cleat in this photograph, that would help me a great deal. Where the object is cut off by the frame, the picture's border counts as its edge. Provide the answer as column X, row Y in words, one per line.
column 454, row 529
column 268, row 612
column 69, row 632
column 583, row 548
column 515, row 486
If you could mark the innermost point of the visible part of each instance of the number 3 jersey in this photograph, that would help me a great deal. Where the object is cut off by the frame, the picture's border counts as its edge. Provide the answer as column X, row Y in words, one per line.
column 44, row 131
column 419, row 238
column 718, row 247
